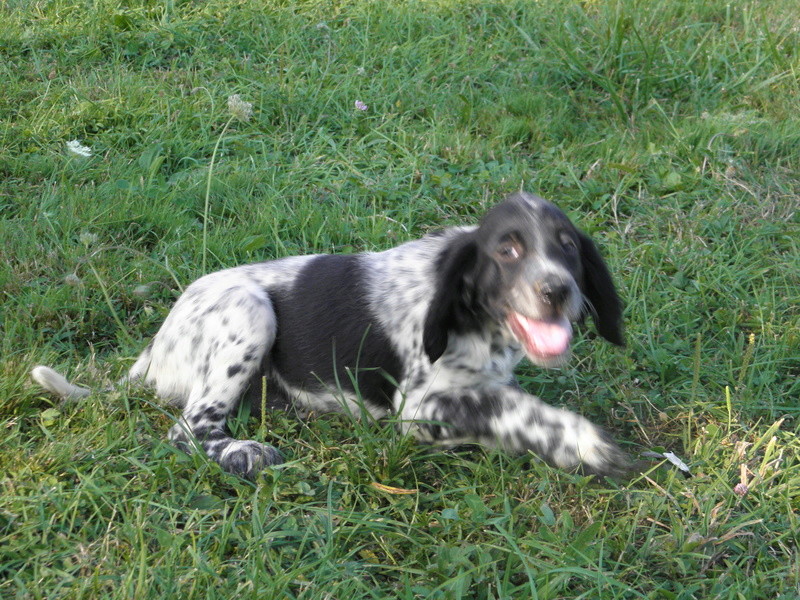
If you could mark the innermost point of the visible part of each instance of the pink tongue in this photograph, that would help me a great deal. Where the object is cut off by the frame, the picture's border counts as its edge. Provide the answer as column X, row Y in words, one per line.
column 541, row 338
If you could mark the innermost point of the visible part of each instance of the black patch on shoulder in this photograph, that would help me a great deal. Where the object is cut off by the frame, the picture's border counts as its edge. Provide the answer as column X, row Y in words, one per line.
column 327, row 333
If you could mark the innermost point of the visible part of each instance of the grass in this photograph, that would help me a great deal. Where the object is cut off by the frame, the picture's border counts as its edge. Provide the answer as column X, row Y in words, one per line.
column 668, row 130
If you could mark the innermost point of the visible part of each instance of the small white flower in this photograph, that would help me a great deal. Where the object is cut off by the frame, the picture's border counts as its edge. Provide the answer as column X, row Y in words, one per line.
column 360, row 105
column 142, row 291
column 76, row 147
column 361, row 71
column 73, row 280
column 239, row 108
column 88, row 239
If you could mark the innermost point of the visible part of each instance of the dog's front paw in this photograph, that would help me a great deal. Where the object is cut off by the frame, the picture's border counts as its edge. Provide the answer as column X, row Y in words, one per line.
column 592, row 451
column 247, row 458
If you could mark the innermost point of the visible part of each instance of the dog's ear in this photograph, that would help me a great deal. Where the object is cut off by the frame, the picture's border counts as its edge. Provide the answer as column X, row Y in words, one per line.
column 598, row 287
column 453, row 296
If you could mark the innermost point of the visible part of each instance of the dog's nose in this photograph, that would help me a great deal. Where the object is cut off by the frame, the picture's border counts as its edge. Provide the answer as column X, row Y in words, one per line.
column 553, row 291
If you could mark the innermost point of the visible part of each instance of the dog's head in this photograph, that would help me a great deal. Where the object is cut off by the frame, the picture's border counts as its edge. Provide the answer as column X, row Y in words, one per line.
column 527, row 269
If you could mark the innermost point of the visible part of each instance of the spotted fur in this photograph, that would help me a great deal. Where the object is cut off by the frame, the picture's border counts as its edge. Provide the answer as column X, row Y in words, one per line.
column 430, row 330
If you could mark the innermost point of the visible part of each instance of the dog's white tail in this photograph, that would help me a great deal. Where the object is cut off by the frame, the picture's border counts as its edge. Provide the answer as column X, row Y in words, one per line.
column 57, row 384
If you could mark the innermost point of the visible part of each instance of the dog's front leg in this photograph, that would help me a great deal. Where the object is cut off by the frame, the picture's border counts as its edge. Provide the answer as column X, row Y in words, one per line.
column 509, row 418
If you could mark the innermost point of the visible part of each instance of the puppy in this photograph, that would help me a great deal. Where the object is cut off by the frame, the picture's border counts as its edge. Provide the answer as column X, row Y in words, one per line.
column 430, row 330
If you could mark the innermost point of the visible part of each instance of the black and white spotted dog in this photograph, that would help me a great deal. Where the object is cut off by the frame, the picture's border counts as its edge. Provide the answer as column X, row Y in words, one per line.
column 430, row 330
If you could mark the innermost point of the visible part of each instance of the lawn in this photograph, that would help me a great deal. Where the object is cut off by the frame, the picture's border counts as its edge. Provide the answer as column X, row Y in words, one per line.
column 668, row 130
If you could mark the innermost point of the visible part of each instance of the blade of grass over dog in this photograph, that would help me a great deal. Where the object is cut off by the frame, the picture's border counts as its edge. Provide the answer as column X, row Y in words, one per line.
column 466, row 102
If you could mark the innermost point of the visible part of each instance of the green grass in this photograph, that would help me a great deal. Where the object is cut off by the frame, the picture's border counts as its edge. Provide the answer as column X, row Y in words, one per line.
column 668, row 130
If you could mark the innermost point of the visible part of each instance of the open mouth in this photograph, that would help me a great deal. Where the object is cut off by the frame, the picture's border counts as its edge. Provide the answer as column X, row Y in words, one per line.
column 542, row 340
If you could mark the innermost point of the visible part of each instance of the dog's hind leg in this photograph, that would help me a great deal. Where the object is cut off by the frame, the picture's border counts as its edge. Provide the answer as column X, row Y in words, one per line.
column 221, row 348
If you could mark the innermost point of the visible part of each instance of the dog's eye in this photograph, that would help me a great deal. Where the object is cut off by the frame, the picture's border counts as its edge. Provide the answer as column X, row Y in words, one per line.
column 509, row 250
column 568, row 243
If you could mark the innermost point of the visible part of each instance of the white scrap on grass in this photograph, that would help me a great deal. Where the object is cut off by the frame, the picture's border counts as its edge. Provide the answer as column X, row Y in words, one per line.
column 672, row 458
column 677, row 462
column 76, row 147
